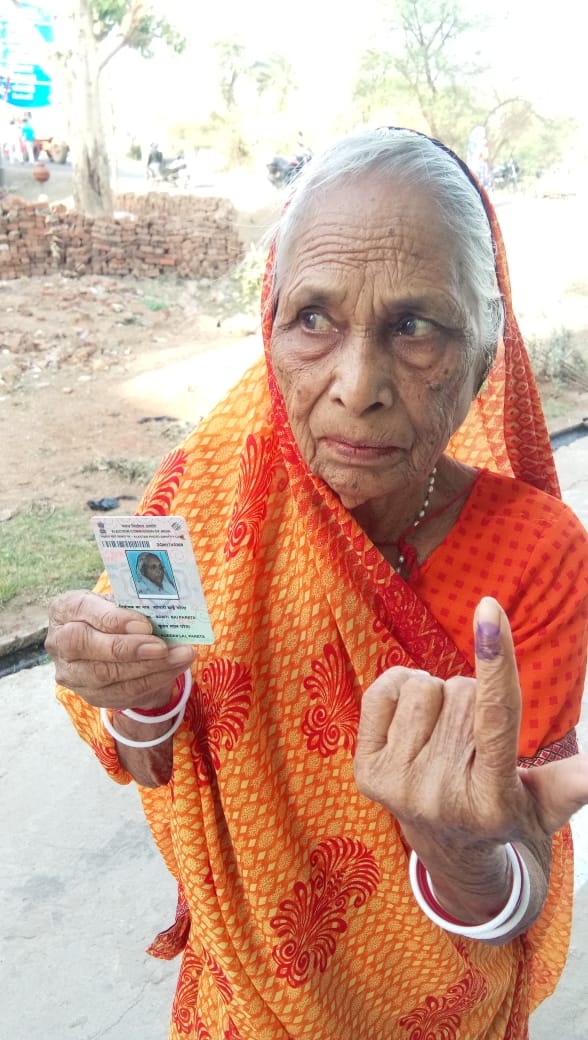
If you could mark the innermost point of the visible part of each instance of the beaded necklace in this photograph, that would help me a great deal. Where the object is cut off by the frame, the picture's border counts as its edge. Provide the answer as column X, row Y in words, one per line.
column 406, row 551
column 407, row 557
column 403, row 548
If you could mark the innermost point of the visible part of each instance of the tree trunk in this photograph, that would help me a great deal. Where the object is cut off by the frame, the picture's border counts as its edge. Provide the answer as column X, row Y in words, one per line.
column 91, row 168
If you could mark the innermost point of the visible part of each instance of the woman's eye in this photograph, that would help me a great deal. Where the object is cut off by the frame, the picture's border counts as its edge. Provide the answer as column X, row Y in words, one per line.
column 413, row 327
column 315, row 321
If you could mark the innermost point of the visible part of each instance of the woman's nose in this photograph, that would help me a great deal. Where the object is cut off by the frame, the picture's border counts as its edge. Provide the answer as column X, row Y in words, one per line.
column 362, row 380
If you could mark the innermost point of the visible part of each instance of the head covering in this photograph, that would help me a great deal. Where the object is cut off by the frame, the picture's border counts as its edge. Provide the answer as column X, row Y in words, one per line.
column 505, row 429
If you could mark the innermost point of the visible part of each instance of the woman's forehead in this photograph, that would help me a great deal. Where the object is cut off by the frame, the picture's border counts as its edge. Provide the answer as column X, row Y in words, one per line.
column 372, row 223
column 371, row 200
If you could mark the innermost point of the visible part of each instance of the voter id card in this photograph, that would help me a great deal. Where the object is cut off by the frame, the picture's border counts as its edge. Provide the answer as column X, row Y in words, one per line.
column 151, row 566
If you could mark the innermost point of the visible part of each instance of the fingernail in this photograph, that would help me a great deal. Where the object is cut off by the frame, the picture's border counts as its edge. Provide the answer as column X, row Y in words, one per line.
column 138, row 628
column 151, row 650
column 487, row 638
column 181, row 655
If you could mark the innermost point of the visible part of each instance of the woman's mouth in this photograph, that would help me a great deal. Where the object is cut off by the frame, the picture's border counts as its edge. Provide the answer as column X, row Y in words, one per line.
column 358, row 451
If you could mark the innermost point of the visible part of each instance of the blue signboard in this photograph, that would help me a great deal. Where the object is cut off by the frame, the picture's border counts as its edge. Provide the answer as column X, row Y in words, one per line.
column 23, row 44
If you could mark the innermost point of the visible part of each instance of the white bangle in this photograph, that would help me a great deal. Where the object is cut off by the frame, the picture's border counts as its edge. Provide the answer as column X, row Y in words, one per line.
column 138, row 743
column 150, row 720
column 504, row 922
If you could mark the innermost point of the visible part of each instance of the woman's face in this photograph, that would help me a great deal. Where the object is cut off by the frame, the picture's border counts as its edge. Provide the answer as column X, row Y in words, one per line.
column 373, row 344
column 152, row 569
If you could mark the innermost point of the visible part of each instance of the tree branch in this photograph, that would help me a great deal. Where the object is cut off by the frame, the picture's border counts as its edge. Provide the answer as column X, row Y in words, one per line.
column 121, row 35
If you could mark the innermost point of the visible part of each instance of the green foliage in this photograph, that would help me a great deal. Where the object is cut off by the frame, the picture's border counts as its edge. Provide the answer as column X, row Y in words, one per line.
column 45, row 550
column 240, row 73
column 158, row 29
column 248, row 275
column 232, row 65
column 108, row 13
column 376, row 83
column 274, row 75
column 143, row 31
column 222, row 133
column 424, row 73
column 537, row 144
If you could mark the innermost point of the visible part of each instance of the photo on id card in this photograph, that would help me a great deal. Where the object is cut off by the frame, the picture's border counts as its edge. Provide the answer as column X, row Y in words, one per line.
column 151, row 567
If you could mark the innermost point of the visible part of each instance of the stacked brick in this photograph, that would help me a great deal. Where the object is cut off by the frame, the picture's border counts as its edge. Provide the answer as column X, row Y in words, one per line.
column 24, row 249
column 154, row 234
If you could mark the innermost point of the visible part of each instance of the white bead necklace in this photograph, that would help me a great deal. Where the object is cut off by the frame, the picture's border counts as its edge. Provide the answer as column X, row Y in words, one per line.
column 422, row 512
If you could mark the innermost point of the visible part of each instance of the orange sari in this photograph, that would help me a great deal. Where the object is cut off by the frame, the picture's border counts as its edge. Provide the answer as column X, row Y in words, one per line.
column 295, row 914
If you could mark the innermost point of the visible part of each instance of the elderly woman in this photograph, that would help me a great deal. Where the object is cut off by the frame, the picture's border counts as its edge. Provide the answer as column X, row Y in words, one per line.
column 349, row 794
column 152, row 577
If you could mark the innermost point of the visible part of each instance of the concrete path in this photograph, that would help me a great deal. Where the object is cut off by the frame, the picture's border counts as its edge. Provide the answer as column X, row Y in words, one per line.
column 565, row 1014
column 82, row 891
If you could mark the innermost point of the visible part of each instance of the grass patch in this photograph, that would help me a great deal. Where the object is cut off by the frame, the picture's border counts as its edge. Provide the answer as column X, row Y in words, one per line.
column 176, row 432
column 155, row 305
column 134, row 470
column 45, row 550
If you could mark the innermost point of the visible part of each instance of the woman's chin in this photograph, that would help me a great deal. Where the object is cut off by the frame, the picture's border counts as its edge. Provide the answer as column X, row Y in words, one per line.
column 352, row 496
column 352, row 502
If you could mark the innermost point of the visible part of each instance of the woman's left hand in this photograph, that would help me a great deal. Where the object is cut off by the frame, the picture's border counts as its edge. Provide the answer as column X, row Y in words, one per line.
column 441, row 756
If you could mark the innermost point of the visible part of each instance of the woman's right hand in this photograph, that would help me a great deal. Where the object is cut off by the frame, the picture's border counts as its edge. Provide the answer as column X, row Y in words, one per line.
column 109, row 655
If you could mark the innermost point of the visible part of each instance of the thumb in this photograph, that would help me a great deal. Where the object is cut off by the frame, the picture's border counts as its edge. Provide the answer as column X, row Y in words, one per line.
column 498, row 692
column 559, row 789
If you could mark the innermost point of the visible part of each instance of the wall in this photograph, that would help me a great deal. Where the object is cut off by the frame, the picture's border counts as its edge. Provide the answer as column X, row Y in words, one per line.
column 149, row 235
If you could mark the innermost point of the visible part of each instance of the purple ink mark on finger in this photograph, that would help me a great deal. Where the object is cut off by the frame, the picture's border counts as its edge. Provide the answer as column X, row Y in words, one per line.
column 488, row 645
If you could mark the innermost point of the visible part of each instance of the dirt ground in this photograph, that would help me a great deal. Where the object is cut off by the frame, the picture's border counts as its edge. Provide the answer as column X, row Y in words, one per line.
column 84, row 369
column 98, row 370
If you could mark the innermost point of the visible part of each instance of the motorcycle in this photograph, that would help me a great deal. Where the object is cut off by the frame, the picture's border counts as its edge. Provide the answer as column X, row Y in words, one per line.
column 506, row 175
column 161, row 169
column 282, row 171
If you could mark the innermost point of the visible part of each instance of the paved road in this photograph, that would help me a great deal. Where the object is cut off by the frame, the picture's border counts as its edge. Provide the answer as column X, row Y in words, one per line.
column 83, row 892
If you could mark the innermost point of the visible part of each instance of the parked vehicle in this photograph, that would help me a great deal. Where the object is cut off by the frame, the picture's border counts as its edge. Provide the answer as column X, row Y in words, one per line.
column 282, row 171
column 506, row 175
column 162, row 169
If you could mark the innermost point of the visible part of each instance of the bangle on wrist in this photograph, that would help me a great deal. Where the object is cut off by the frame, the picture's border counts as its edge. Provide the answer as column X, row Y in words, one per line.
column 504, row 922
column 138, row 743
column 167, row 711
column 164, row 709
column 176, row 712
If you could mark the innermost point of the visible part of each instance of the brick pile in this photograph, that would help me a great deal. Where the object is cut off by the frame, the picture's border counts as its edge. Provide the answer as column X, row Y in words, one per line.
column 24, row 248
column 149, row 235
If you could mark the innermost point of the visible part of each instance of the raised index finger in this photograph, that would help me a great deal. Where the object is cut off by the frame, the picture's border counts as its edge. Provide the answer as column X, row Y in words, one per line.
column 498, row 692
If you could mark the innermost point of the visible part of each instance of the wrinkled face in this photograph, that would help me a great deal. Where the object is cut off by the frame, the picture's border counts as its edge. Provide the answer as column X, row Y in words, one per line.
column 152, row 569
column 373, row 345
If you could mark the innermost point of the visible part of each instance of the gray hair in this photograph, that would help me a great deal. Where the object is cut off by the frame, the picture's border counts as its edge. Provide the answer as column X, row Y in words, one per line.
column 416, row 159
column 142, row 560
